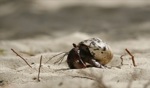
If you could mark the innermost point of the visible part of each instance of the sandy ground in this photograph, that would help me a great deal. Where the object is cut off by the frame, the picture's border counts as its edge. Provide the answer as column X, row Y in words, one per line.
column 46, row 28
column 14, row 73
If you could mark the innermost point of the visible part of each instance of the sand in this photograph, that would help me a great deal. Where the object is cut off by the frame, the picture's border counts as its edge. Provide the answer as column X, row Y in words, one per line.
column 15, row 73
column 45, row 28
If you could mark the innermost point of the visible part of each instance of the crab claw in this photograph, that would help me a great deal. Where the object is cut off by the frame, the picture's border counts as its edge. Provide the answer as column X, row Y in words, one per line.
column 74, row 60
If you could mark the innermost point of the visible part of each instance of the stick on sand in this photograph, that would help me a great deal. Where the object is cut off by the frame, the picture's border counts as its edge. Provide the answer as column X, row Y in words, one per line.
column 132, row 57
column 39, row 69
column 21, row 58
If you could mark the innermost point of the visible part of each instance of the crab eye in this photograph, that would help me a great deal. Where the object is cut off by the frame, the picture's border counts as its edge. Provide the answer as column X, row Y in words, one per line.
column 102, row 52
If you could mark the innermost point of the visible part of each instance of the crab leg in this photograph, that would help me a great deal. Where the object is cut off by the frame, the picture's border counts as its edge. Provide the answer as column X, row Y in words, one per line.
column 78, row 53
column 93, row 62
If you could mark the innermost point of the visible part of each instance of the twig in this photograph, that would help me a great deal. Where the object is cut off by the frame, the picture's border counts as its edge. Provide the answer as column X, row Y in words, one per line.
column 21, row 58
column 121, row 57
column 132, row 57
column 55, row 56
column 39, row 69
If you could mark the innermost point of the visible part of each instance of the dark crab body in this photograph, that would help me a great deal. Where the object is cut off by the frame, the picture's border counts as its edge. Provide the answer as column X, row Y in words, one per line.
column 89, row 53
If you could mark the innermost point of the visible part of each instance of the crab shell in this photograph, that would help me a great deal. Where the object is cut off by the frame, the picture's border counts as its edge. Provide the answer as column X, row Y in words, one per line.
column 100, row 50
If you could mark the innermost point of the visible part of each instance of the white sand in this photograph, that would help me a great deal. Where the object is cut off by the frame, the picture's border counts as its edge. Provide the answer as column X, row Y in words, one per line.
column 14, row 73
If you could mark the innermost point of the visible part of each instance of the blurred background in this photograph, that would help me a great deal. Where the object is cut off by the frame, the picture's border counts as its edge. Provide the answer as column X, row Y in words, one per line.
column 109, row 19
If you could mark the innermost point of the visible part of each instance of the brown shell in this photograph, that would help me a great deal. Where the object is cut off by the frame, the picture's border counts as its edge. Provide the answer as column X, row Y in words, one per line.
column 99, row 49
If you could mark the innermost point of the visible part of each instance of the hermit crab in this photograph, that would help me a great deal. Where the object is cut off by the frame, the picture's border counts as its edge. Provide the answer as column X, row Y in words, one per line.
column 89, row 53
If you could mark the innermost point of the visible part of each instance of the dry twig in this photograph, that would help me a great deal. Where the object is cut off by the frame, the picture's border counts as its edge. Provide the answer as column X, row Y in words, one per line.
column 21, row 58
column 132, row 57
column 39, row 69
